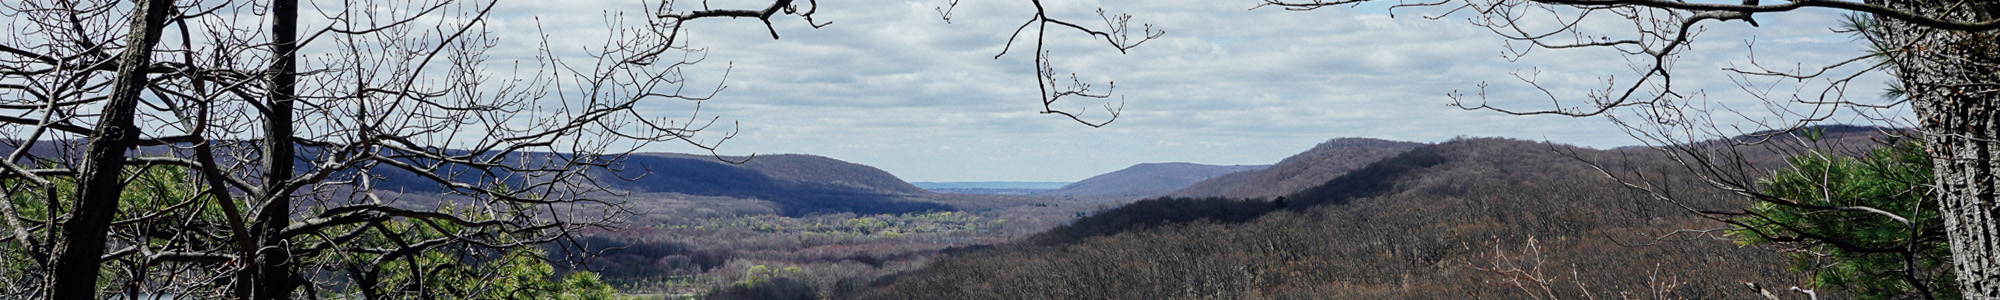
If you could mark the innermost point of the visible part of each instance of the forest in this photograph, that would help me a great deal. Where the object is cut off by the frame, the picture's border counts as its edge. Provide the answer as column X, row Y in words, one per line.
column 1474, row 217
column 288, row 149
column 1444, row 220
column 1468, row 218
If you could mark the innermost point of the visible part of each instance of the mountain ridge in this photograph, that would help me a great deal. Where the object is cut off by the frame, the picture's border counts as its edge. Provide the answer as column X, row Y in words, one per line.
column 1144, row 180
column 1436, row 220
column 1298, row 172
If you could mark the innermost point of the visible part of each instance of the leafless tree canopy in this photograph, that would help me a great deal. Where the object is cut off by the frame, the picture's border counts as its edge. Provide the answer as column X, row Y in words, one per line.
column 1941, row 52
column 263, row 149
column 252, row 148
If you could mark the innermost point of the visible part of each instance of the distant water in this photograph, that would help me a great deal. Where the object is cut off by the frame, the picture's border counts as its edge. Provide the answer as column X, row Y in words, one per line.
column 1006, row 185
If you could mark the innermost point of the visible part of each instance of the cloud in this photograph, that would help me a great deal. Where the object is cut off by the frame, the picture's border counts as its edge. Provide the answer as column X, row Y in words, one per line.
column 891, row 85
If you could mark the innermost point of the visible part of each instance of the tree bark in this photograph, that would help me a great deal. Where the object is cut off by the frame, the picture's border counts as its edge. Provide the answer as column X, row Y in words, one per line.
column 274, row 278
column 100, row 182
column 1950, row 80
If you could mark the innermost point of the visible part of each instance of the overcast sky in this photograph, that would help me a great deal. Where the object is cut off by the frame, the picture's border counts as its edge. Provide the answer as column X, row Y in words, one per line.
column 890, row 85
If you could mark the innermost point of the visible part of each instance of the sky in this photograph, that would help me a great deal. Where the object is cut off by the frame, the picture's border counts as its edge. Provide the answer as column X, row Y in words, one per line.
column 891, row 85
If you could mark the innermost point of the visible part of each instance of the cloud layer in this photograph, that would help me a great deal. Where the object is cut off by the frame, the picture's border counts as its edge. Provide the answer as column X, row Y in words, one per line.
column 889, row 84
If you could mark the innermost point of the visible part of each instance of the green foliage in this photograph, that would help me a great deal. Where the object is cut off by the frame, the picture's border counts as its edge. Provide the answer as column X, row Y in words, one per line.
column 584, row 286
column 756, row 275
column 520, row 274
column 168, row 200
column 1867, row 28
column 867, row 225
column 456, row 270
column 159, row 204
column 1862, row 252
column 150, row 189
column 760, row 282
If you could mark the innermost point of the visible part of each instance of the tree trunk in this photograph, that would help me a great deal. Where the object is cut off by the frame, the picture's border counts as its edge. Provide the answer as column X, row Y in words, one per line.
column 274, row 278
column 99, row 183
column 1949, row 78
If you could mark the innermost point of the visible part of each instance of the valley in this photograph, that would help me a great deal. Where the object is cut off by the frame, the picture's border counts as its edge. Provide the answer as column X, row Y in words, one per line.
column 1350, row 218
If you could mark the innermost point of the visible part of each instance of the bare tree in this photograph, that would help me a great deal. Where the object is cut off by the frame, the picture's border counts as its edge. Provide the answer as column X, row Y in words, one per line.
column 73, row 272
column 273, row 150
column 1941, row 52
column 1115, row 31
column 274, row 139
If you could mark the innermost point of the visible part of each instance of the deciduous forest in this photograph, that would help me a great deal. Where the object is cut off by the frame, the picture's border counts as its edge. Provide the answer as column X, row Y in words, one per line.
column 288, row 149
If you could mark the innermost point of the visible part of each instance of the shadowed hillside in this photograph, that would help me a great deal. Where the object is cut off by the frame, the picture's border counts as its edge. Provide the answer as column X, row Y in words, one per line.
column 787, row 184
column 1298, row 172
column 819, row 169
column 792, row 185
column 797, row 184
column 1143, row 180
column 1440, row 221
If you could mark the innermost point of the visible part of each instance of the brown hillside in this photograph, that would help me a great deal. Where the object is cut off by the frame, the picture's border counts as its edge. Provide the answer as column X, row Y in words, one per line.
column 1420, row 225
column 1298, row 172
column 1143, row 180
column 819, row 169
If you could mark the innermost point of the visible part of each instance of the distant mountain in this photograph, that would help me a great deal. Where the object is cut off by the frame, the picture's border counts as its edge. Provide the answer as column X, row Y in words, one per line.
column 820, row 169
column 798, row 184
column 1030, row 185
column 793, row 185
column 1144, row 180
column 1440, row 221
column 1299, row 172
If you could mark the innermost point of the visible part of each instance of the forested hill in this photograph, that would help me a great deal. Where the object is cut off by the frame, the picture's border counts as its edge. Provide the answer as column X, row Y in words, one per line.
column 1439, row 221
column 798, row 184
column 807, row 168
column 1298, row 172
column 1143, row 180
column 793, row 184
